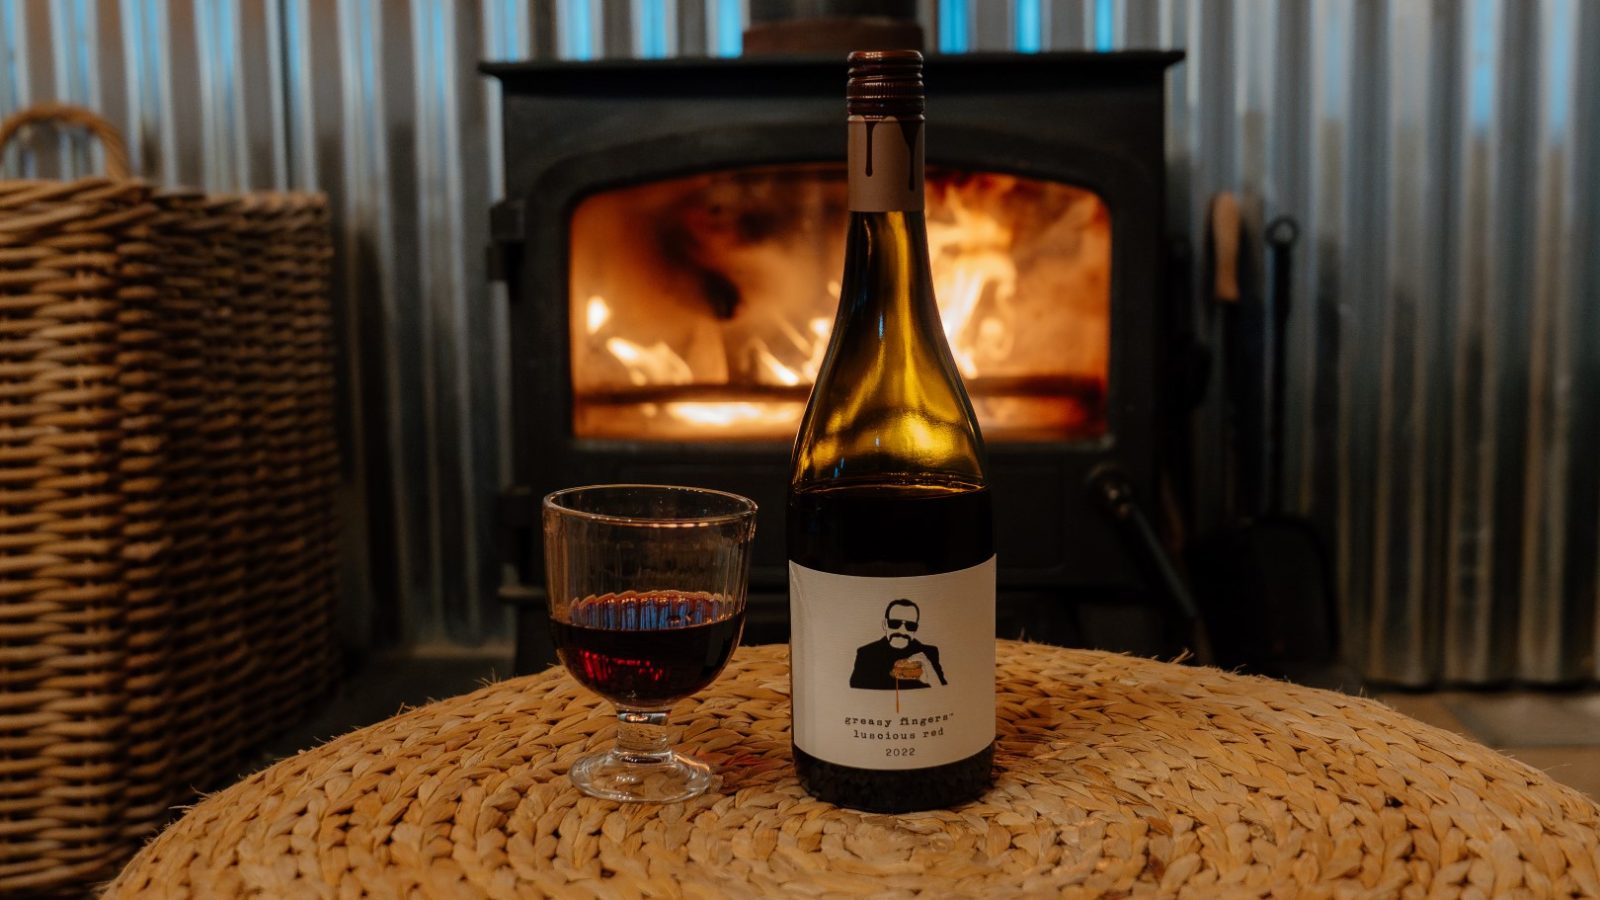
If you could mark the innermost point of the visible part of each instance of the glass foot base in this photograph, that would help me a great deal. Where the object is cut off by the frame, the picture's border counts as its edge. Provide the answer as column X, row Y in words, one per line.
column 663, row 778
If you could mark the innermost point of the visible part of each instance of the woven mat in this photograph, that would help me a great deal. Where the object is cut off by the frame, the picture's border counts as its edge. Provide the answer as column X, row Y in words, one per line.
column 1117, row 775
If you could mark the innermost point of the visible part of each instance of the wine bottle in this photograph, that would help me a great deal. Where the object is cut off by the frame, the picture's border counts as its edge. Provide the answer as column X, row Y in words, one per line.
column 891, row 551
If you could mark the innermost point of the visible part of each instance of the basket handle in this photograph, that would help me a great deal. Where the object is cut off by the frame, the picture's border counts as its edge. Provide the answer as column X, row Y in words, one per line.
column 64, row 114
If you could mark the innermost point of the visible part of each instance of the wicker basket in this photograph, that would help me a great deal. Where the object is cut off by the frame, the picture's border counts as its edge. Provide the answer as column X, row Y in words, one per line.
column 251, row 351
column 166, row 472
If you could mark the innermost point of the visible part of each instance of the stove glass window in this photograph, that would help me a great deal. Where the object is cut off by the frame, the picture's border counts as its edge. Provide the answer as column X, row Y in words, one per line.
column 700, row 306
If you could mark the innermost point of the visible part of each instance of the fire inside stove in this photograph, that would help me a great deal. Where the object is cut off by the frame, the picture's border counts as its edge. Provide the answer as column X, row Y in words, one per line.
column 701, row 306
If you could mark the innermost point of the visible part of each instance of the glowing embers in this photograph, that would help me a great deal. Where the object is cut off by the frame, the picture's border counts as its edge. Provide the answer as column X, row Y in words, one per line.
column 701, row 306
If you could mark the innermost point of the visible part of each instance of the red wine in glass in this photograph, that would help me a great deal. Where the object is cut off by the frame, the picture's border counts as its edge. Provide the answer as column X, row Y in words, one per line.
column 648, row 649
column 647, row 587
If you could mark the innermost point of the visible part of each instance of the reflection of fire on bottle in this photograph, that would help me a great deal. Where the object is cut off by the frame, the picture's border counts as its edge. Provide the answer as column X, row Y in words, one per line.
column 904, row 670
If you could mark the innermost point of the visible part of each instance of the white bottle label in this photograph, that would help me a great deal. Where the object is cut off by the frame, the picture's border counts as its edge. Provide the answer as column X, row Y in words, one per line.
column 893, row 673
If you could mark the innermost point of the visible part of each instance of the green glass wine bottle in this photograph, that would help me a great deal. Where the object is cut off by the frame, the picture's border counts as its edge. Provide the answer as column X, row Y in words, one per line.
column 891, row 550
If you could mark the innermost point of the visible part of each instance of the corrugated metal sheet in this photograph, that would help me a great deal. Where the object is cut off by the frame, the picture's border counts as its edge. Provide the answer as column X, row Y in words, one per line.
column 1442, row 157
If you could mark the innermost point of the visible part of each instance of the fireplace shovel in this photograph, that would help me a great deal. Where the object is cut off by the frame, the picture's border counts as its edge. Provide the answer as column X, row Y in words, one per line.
column 1265, row 584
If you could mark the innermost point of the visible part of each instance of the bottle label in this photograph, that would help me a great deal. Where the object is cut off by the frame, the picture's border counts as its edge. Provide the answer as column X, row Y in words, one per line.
column 885, row 164
column 893, row 673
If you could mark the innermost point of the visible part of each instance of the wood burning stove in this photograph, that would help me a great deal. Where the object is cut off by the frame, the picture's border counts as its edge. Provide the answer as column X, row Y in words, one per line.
column 671, row 239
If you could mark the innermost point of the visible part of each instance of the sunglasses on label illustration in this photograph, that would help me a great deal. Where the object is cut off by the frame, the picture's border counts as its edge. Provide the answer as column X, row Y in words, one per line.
column 907, row 624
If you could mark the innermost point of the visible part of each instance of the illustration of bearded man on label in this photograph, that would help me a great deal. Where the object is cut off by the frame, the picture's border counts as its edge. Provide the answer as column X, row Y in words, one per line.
column 897, row 660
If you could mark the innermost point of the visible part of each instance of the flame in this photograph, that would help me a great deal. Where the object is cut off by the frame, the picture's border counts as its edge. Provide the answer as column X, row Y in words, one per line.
column 596, row 314
column 822, row 328
column 970, row 251
column 731, row 414
column 656, row 364
column 773, row 368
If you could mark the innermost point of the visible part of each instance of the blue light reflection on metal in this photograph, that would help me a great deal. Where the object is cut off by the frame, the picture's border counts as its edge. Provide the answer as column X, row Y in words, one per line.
column 1028, row 23
column 727, row 18
column 955, row 26
column 650, row 24
column 575, row 20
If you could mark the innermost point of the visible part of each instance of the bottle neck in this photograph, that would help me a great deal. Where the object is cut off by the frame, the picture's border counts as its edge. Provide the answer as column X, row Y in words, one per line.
column 887, row 246
column 885, row 161
column 887, row 270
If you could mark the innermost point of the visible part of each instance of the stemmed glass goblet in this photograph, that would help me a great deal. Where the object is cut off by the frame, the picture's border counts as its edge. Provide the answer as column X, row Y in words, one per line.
column 646, row 586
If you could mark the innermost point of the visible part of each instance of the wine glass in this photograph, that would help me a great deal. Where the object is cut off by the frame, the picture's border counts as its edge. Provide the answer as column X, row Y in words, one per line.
column 647, row 596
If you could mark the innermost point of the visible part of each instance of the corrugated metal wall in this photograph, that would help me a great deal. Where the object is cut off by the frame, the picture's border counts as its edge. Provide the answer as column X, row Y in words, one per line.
column 1442, row 157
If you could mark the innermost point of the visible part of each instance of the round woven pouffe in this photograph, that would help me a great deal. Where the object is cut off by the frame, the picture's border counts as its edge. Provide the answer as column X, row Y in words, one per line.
column 1115, row 775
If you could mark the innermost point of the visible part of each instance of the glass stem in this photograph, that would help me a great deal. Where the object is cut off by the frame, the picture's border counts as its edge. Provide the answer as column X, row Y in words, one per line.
column 642, row 736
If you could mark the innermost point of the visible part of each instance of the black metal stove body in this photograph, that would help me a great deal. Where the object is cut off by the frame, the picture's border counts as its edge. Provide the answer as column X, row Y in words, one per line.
column 1091, row 120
